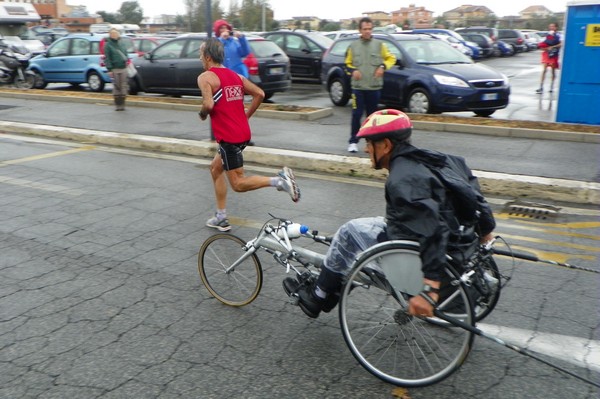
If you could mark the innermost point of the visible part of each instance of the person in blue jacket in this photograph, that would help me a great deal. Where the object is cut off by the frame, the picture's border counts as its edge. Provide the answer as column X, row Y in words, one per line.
column 236, row 47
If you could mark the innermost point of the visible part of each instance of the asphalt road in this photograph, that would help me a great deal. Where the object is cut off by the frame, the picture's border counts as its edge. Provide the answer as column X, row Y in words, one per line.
column 100, row 296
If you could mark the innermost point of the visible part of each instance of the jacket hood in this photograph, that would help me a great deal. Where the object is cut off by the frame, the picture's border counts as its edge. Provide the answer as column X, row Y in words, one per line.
column 217, row 25
column 420, row 155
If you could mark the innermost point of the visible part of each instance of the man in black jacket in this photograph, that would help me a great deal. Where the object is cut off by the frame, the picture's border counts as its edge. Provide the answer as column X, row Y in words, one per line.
column 418, row 207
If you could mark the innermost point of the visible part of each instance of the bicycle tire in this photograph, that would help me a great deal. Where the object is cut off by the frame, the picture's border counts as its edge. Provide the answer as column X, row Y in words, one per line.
column 239, row 286
column 482, row 307
column 392, row 345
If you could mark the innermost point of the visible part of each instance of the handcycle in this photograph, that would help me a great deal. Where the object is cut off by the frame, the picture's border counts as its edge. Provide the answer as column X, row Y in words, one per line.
column 386, row 340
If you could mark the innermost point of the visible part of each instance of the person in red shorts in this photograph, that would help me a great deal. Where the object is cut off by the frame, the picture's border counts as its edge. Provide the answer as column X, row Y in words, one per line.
column 550, row 48
column 223, row 99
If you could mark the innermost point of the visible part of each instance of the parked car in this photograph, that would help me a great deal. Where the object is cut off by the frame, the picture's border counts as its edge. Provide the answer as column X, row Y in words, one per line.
column 484, row 42
column 304, row 49
column 429, row 77
column 513, row 37
column 74, row 59
column 173, row 67
column 504, row 49
column 336, row 34
column 492, row 33
column 475, row 49
column 532, row 39
column 455, row 43
column 34, row 46
column 144, row 44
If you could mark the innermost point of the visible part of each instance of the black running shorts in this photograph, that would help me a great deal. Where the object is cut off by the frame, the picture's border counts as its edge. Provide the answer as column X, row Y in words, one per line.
column 231, row 155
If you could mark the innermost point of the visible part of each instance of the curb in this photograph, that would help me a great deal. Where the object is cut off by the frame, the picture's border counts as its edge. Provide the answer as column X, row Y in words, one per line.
column 512, row 186
column 558, row 135
column 318, row 113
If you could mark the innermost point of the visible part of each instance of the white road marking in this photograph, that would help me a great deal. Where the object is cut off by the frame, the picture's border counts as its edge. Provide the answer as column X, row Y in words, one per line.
column 578, row 351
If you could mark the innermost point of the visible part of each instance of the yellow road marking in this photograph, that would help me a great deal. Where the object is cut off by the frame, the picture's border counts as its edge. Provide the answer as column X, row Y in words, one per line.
column 55, row 188
column 553, row 256
column 44, row 156
column 555, row 232
column 556, row 243
column 573, row 225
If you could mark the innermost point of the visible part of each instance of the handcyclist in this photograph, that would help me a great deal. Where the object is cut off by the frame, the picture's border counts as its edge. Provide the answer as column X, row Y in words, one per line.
column 223, row 99
column 418, row 207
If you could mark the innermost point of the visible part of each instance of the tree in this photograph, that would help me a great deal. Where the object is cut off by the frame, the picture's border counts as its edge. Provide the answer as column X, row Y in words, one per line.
column 131, row 12
column 109, row 17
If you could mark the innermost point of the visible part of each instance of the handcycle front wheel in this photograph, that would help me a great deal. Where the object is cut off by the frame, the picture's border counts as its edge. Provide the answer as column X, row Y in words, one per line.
column 236, row 286
column 391, row 344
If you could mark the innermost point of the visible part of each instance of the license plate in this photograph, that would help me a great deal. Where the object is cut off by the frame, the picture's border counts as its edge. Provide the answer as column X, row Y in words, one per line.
column 489, row 96
column 276, row 71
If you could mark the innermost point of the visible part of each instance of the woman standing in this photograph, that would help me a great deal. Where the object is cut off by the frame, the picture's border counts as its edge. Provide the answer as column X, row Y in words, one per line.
column 116, row 61
column 236, row 47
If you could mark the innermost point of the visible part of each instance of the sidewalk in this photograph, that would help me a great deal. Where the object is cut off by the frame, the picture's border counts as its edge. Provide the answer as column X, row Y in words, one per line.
column 511, row 166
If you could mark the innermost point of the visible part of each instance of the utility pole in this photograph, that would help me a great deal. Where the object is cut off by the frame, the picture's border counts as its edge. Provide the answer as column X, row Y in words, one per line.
column 209, row 35
column 208, row 18
column 264, row 17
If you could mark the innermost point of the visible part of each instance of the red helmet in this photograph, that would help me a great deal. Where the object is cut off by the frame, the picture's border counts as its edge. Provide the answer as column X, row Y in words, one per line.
column 387, row 123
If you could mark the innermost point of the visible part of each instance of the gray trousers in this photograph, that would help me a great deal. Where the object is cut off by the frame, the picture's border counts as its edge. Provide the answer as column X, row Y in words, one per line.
column 119, row 80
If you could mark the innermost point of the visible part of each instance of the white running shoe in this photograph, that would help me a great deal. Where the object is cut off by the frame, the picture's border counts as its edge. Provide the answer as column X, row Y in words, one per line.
column 288, row 184
column 352, row 147
column 219, row 224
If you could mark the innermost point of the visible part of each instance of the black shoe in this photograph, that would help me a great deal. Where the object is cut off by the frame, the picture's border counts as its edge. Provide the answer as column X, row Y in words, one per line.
column 330, row 302
column 290, row 285
column 251, row 143
column 308, row 301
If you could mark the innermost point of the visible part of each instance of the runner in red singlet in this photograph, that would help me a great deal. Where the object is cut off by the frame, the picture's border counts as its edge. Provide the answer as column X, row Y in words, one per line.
column 223, row 99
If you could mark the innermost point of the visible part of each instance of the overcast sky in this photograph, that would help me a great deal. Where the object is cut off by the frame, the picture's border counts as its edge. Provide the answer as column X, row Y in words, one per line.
column 331, row 9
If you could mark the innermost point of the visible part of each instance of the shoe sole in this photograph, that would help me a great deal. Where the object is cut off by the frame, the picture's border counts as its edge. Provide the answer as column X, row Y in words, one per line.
column 307, row 312
column 287, row 171
column 220, row 228
column 287, row 291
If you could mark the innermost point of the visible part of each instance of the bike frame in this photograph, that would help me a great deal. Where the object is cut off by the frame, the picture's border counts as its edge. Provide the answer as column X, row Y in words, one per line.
column 281, row 249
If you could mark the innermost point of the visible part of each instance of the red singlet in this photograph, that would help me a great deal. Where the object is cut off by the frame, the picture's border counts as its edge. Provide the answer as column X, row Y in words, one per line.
column 228, row 117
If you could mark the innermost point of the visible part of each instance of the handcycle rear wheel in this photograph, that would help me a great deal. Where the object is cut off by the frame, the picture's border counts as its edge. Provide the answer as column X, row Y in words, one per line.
column 235, row 287
column 394, row 346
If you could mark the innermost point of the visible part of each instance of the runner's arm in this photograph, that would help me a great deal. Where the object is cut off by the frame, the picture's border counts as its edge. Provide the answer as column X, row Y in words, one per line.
column 257, row 96
column 204, row 84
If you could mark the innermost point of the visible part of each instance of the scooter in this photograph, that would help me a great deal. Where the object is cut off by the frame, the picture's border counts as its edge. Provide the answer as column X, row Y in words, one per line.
column 13, row 69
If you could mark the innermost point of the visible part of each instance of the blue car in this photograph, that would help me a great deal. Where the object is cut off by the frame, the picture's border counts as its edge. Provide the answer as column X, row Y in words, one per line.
column 74, row 59
column 429, row 77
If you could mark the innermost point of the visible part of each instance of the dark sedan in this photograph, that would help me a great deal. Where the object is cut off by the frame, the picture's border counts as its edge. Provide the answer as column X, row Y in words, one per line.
column 429, row 77
column 305, row 50
column 174, row 66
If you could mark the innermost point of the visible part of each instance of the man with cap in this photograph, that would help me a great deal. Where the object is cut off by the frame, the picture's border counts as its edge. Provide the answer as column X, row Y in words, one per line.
column 418, row 208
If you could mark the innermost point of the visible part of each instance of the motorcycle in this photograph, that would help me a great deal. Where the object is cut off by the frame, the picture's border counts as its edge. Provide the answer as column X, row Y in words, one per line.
column 13, row 68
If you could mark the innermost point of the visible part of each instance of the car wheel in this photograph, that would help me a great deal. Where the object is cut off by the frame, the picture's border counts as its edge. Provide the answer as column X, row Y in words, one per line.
column 419, row 102
column 95, row 82
column 268, row 96
column 338, row 93
column 39, row 82
column 134, row 87
column 485, row 112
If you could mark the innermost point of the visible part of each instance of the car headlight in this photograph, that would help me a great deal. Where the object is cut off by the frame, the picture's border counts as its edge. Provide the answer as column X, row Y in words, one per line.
column 505, row 79
column 450, row 81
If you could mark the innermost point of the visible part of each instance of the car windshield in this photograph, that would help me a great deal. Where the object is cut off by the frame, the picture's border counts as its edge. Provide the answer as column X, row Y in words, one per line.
column 264, row 48
column 321, row 40
column 431, row 52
